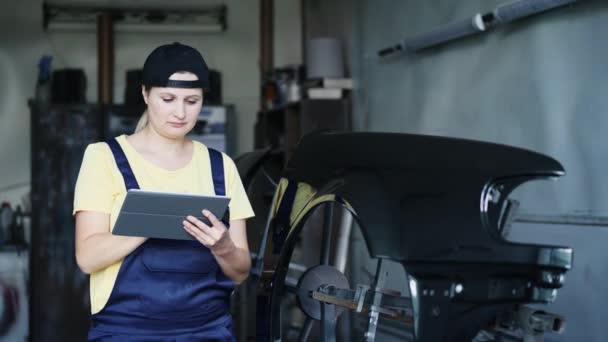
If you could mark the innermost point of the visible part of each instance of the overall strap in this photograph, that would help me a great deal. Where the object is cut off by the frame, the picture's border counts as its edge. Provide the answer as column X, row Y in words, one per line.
column 217, row 172
column 219, row 182
column 123, row 164
column 289, row 196
column 284, row 214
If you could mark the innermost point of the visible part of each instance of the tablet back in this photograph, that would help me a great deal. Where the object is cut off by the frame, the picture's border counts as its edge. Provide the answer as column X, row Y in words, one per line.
column 160, row 214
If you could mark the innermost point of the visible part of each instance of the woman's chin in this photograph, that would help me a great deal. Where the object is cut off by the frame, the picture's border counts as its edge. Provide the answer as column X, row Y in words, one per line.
column 175, row 133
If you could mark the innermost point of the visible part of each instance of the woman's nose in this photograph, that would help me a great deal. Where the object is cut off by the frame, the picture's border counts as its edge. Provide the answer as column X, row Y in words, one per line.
column 180, row 111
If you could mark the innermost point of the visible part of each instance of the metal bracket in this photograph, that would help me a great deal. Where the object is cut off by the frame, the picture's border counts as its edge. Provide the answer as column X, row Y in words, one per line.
column 361, row 301
column 527, row 324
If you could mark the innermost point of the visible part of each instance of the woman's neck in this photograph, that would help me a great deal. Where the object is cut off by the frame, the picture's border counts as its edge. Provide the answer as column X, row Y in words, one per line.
column 149, row 140
column 164, row 152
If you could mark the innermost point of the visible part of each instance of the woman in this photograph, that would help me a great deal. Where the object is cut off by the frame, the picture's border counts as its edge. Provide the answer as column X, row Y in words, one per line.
column 153, row 289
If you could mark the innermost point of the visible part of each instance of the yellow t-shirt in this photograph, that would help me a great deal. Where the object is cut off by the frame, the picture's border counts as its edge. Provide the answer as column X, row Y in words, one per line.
column 100, row 187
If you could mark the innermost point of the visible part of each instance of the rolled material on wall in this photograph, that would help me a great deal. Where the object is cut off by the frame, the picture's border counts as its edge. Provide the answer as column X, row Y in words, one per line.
column 478, row 23
column 445, row 33
column 324, row 58
column 523, row 8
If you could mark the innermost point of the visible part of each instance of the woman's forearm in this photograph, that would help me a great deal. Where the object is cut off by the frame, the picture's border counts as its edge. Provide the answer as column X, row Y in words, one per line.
column 235, row 263
column 100, row 250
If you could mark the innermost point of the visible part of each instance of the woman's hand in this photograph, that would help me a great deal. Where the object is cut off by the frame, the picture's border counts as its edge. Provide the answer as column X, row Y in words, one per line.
column 229, row 247
column 215, row 237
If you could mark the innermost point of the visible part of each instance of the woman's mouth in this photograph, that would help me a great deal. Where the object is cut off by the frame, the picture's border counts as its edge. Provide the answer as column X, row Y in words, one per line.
column 177, row 124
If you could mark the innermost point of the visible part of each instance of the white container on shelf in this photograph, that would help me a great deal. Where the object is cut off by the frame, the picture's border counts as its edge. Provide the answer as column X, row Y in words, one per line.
column 324, row 58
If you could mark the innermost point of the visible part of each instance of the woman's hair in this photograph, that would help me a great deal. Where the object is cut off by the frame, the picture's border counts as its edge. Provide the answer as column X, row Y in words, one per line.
column 143, row 119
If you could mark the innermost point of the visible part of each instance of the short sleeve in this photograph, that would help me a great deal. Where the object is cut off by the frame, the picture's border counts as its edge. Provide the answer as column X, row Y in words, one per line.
column 95, row 188
column 240, row 208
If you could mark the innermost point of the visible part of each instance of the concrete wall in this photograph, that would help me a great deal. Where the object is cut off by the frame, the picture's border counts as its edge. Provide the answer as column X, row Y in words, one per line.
column 539, row 83
column 331, row 19
column 287, row 32
column 22, row 41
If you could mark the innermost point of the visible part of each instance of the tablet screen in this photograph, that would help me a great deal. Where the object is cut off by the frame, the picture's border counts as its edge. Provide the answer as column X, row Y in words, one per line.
column 160, row 214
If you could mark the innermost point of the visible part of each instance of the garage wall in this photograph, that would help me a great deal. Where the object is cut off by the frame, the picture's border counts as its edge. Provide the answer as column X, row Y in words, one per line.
column 333, row 19
column 540, row 83
column 235, row 53
column 287, row 32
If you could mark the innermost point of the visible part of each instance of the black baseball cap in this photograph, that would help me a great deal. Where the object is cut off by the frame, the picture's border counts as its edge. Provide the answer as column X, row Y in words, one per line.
column 168, row 59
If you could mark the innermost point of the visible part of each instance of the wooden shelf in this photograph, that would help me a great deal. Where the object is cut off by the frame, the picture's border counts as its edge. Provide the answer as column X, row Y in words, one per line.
column 282, row 127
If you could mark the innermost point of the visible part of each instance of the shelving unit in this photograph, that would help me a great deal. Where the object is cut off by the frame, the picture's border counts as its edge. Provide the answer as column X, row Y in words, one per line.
column 282, row 127
column 60, row 133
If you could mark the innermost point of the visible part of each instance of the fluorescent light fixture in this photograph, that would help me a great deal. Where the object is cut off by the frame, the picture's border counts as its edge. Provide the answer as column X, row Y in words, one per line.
column 136, row 28
column 180, row 20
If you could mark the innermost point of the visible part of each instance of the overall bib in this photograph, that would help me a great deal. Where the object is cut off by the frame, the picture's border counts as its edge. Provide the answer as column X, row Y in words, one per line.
column 167, row 290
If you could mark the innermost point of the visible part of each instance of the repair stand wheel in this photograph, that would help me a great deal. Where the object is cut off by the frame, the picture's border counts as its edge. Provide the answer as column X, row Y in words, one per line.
column 312, row 280
column 305, row 286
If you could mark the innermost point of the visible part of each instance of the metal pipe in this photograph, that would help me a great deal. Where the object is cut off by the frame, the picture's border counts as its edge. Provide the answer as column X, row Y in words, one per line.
column 343, row 240
column 374, row 314
column 105, row 58
column 328, row 322
column 305, row 330
column 327, row 229
column 266, row 40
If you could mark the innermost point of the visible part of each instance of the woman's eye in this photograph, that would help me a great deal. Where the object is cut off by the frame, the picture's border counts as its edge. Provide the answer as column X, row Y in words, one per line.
column 167, row 99
column 192, row 102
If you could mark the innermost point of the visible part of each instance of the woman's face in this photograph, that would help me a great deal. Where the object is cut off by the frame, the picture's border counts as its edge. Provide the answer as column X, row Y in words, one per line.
column 173, row 112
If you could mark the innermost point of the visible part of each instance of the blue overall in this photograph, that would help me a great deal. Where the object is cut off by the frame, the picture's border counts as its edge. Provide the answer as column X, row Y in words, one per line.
column 167, row 290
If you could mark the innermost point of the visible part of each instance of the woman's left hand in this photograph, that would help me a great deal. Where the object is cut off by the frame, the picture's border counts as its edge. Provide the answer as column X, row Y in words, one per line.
column 216, row 237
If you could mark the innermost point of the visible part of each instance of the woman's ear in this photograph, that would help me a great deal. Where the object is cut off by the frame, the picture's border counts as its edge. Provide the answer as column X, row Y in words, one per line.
column 144, row 93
